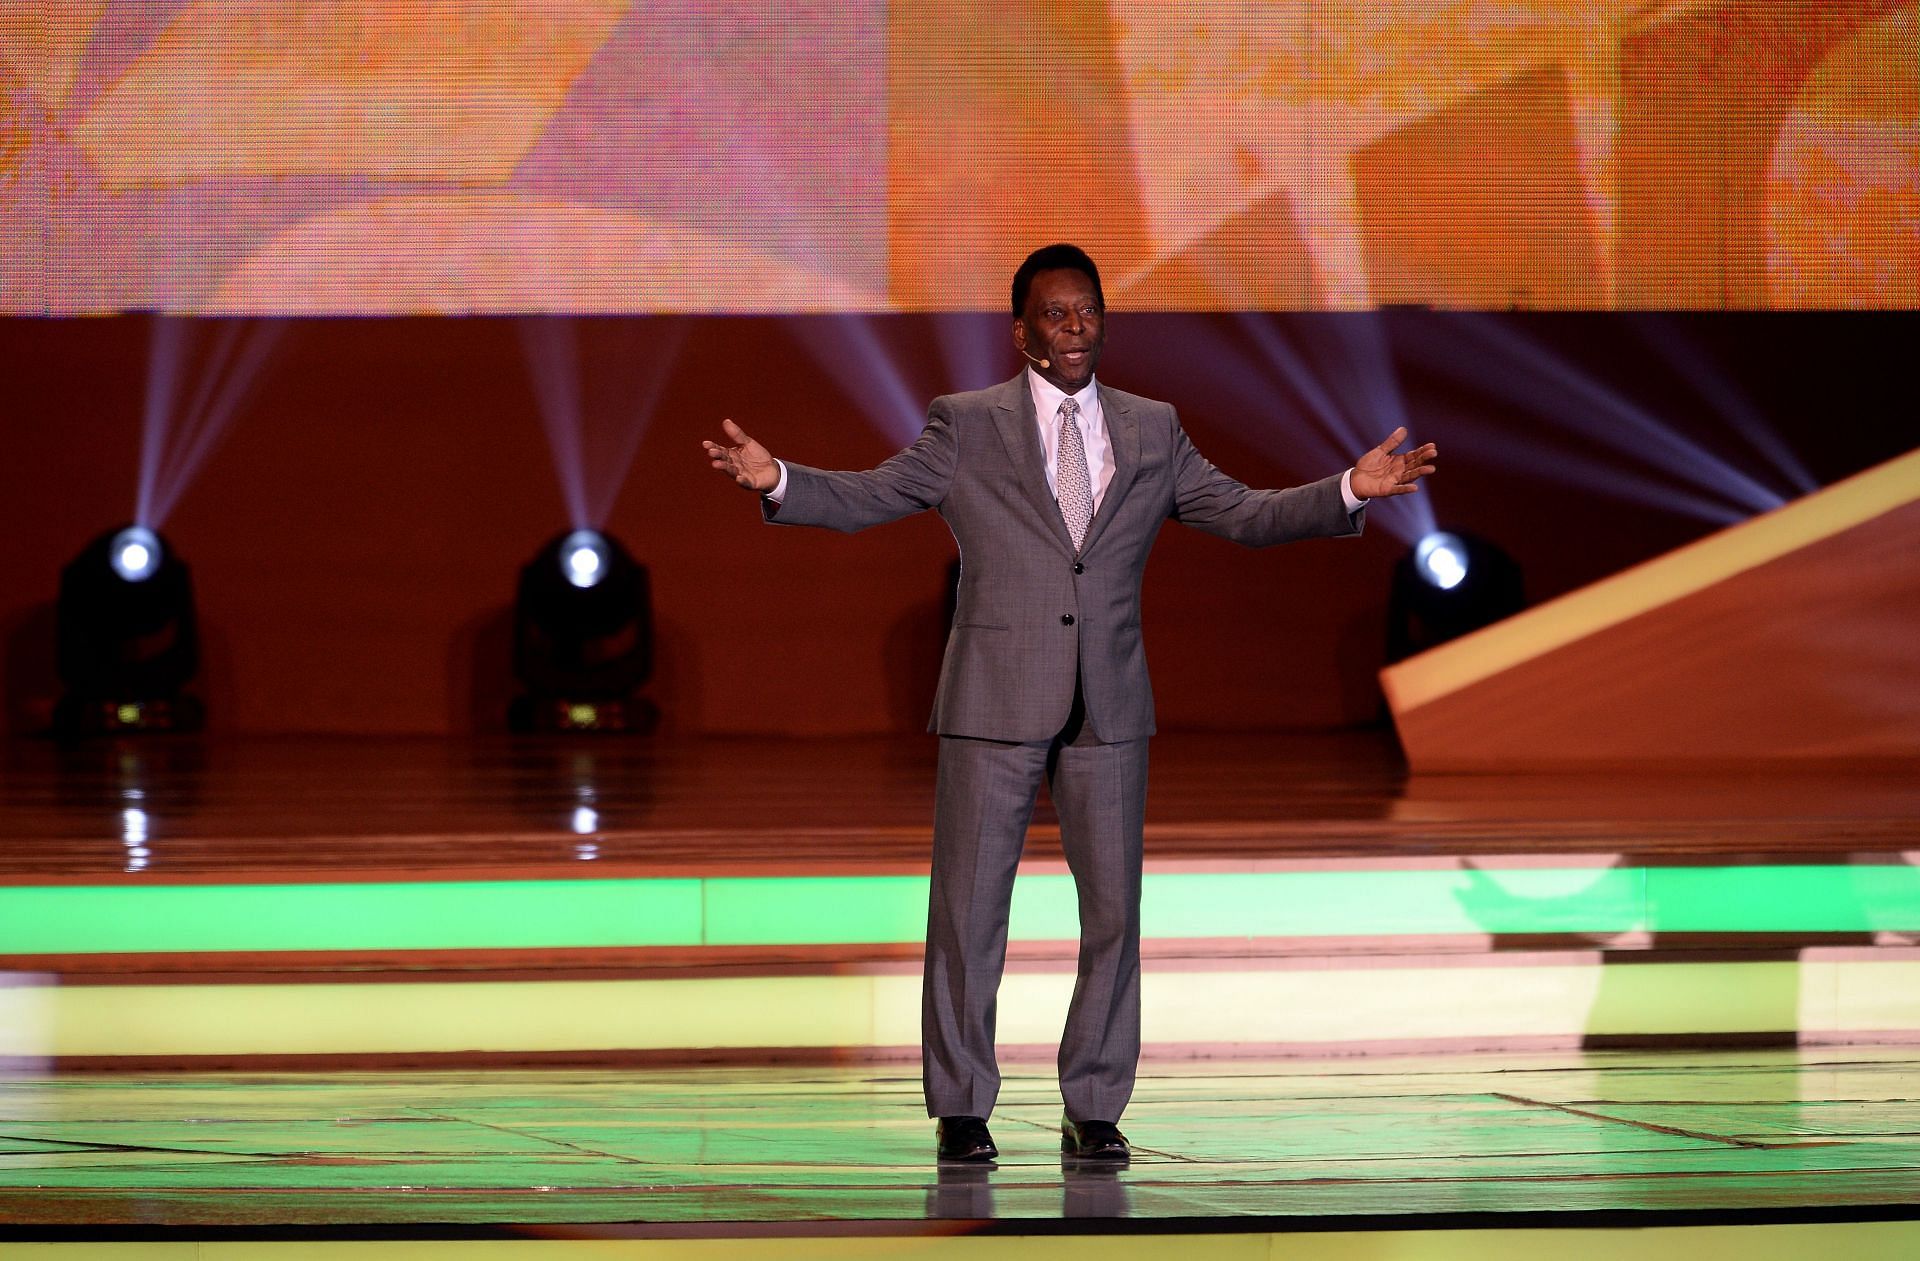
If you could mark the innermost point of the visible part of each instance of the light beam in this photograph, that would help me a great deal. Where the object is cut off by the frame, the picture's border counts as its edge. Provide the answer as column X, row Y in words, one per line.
column 596, row 408
column 552, row 350
column 175, row 444
column 974, row 345
column 849, row 349
column 1558, row 391
column 1351, row 405
column 1662, row 335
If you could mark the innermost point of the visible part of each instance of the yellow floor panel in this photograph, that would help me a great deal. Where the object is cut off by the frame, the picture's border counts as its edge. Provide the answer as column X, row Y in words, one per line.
column 1306, row 1004
column 1856, row 1241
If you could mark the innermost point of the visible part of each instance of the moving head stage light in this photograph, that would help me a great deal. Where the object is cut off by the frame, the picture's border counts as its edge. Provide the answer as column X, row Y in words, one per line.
column 583, row 638
column 1450, row 584
column 129, row 643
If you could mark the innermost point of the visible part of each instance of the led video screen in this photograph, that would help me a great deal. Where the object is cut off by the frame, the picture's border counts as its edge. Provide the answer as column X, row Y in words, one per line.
column 455, row 156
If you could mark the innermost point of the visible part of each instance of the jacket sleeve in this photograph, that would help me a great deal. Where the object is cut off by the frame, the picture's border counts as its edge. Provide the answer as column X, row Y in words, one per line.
column 1208, row 499
column 909, row 482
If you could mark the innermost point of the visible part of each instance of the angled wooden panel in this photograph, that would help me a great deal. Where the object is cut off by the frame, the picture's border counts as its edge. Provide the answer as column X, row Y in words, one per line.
column 1792, row 635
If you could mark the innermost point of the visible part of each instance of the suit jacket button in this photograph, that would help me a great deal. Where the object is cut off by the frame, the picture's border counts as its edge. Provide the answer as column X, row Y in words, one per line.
column 1078, row 568
column 1066, row 619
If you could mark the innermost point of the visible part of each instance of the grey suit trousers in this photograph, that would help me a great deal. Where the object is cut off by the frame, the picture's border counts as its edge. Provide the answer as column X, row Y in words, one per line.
column 985, row 798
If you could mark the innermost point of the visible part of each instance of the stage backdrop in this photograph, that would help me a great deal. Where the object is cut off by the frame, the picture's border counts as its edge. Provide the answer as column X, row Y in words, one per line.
column 356, row 530
column 439, row 156
column 804, row 215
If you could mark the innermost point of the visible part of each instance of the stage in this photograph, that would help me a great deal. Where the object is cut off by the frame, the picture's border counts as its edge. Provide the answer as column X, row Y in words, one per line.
column 664, row 990
column 1535, row 872
column 839, row 1156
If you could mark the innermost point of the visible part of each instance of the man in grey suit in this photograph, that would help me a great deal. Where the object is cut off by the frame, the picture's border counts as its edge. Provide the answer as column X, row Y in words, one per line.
column 1054, row 488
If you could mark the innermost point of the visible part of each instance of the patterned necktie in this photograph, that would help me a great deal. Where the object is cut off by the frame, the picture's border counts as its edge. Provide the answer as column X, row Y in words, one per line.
column 1070, row 480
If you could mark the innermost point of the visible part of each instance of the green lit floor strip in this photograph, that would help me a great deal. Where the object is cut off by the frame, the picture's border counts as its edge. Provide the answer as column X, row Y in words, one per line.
column 1397, row 1004
column 1857, row 1241
column 737, row 911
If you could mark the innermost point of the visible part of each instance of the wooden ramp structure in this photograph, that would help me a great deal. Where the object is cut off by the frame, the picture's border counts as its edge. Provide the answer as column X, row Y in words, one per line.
column 1795, row 635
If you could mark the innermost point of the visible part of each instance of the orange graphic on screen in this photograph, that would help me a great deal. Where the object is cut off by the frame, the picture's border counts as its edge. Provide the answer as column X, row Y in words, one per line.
column 606, row 156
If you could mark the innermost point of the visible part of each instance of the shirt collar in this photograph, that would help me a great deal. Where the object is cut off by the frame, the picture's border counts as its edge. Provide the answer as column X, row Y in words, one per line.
column 1047, row 396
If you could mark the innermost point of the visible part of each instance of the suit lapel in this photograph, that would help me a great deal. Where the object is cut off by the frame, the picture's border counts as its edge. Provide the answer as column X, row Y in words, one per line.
column 1020, row 433
column 1123, row 435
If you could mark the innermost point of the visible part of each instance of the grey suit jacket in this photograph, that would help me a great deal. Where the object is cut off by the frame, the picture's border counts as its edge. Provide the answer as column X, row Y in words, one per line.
column 1030, row 611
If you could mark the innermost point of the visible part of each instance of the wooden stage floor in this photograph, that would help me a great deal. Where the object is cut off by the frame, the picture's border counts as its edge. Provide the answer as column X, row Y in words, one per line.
column 1600, row 1138
column 249, row 809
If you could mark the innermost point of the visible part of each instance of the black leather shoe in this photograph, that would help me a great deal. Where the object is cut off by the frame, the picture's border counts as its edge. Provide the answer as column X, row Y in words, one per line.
column 965, row 1138
column 1093, row 1140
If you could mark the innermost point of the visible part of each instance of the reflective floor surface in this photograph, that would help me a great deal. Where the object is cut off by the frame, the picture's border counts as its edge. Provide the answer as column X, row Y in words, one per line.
column 138, row 811
column 1535, row 1138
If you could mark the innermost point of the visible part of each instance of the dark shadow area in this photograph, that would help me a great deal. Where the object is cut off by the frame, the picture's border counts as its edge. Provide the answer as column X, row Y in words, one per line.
column 31, row 680
column 916, row 643
column 480, row 682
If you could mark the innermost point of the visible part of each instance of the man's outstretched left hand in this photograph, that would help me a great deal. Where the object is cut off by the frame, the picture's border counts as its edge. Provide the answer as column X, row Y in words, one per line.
column 1380, row 472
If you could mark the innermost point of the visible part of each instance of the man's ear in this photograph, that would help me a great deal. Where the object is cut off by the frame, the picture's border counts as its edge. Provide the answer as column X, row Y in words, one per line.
column 1020, row 334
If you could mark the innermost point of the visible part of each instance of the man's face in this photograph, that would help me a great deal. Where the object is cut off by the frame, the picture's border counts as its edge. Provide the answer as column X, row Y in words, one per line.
column 1064, row 324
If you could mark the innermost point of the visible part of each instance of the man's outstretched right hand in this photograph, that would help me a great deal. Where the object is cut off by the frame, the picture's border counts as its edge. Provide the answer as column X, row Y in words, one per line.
column 748, row 463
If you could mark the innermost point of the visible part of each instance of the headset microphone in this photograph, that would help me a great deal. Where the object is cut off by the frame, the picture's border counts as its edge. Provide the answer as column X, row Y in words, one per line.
column 1044, row 363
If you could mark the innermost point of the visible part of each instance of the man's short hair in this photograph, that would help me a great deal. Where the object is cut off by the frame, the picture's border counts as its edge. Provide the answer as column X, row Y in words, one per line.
column 1052, row 258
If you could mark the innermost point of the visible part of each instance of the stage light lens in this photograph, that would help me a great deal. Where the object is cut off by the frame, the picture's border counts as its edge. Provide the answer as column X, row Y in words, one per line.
column 584, row 558
column 1442, row 560
column 135, row 553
